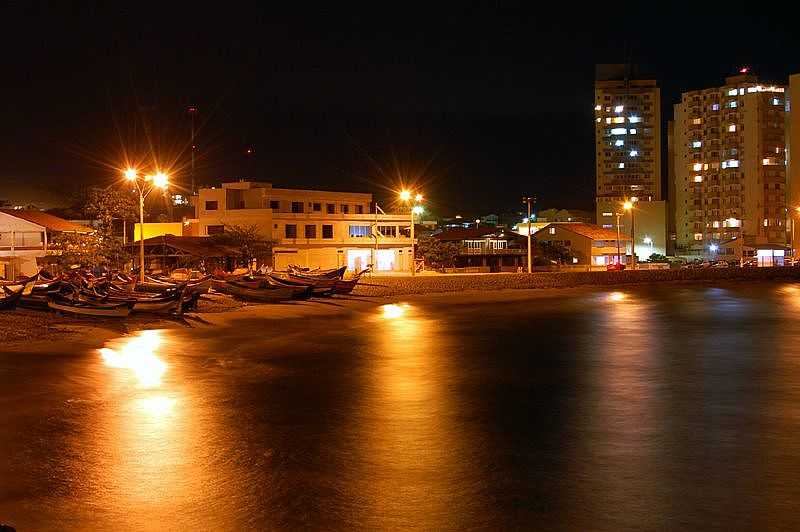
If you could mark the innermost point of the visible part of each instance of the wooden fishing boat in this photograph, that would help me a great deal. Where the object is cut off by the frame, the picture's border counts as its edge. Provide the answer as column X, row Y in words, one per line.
column 10, row 297
column 319, row 287
column 337, row 273
column 342, row 286
column 84, row 308
column 267, row 295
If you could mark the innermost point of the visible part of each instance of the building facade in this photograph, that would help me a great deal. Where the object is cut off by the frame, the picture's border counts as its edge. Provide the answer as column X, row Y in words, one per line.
column 590, row 245
column 310, row 228
column 496, row 250
column 627, row 135
column 730, row 166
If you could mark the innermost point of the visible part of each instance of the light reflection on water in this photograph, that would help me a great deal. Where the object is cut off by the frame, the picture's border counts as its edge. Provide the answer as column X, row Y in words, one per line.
column 587, row 410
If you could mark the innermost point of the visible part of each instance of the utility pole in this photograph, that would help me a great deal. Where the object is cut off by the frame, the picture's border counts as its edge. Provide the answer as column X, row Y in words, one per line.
column 618, row 237
column 192, row 112
column 529, row 200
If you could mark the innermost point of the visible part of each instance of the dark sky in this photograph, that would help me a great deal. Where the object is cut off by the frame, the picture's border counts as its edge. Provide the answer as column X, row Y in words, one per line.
column 479, row 105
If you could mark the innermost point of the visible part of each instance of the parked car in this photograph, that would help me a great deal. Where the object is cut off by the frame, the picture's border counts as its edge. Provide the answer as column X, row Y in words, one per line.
column 615, row 267
column 752, row 262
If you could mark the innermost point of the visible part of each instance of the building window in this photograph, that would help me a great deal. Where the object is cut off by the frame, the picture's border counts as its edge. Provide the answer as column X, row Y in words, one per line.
column 732, row 92
column 698, row 179
column 388, row 230
column 697, row 167
column 619, row 142
column 327, row 231
column 297, row 206
column 331, row 208
column 621, row 165
column 697, row 121
column 632, row 131
column 634, row 153
column 732, row 128
column 619, row 120
column 359, row 209
column 619, row 131
column 360, row 231
column 317, row 207
column 696, row 143
column 274, row 205
column 311, row 231
column 715, row 107
column 215, row 229
column 635, row 119
column 345, row 208
column 212, row 205
column 618, row 109
column 552, row 230
column 290, row 231
column 698, row 236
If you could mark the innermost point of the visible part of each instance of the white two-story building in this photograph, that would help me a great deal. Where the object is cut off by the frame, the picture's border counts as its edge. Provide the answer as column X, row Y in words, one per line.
column 309, row 228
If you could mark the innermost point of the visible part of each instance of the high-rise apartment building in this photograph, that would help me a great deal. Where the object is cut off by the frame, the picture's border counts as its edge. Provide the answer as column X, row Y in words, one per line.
column 730, row 168
column 627, row 135
column 627, row 113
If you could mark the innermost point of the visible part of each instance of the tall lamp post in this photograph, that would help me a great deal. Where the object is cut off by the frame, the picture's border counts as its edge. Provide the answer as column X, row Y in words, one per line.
column 405, row 197
column 144, row 186
column 628, row 206
column 529, row 200
column 618, row 239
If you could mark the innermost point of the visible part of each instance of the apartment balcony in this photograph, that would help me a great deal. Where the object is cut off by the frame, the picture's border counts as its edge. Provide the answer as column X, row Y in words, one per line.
column 464, row 250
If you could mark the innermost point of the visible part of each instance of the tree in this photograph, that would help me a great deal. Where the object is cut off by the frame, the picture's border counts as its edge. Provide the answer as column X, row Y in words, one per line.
column 547, row 253
column 247, row 240
column 105, row 205
column 73, row 249
column 438, row 254
column 657, row 257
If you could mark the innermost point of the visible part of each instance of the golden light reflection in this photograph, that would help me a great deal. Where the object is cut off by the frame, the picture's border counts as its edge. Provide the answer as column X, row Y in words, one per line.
column 157, row 406
column 392, row 311
column 139, row 356
column 616, row 296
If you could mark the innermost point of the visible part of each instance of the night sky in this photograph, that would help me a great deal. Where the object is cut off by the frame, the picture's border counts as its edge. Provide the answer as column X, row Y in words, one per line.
column 477, row 105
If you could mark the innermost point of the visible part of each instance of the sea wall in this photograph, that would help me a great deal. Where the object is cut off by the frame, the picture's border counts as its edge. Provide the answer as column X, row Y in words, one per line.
column 424, row 284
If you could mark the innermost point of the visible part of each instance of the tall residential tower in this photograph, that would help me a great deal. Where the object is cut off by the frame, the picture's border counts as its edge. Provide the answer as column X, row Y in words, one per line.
column 627, row 113
column 730, row 168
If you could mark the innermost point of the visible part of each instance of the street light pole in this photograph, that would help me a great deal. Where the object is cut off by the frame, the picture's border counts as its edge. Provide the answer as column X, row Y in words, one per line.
column 159, row 180
column 618, row 238
column 528, row 200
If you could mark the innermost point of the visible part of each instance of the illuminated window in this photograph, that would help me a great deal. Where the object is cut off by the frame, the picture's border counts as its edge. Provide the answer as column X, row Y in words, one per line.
column 732, row 92
column 598, row 119
column 733, row 222
column 552, row 230
column 766, row 222
column 715, row 225
column 608, row 120
column 698, row 179
column 620, row 131
column 635, row 119
column 776, row 101
column 618, row 109
column 715, row 107
column 607, row 226
column 607, row 214
column 697, row 121
column 632, row 131
column 634, row 153
column 619, row 120
column 730, row 163
column 621, row 165
column 598, row 107
column 732, row 128
column 619, row 142
column 697, row 167
column 732, row 104
column 698, row 236
column 741, row 92
column 696, row 144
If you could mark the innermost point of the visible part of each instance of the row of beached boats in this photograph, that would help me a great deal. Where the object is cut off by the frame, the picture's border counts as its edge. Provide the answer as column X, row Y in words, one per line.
column 110, row 295
column 117, row 294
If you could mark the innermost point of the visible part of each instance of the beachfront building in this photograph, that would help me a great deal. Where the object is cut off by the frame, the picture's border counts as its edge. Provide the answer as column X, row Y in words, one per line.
column 309, row 228
column 730, row 168
column 487, row 248
column 589, row 244
column 24, row 239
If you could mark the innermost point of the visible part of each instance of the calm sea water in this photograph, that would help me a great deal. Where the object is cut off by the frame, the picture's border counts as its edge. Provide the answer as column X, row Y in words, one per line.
column 666, row 408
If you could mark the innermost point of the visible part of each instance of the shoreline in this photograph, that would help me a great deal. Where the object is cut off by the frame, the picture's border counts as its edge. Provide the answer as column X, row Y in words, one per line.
column 219, row 311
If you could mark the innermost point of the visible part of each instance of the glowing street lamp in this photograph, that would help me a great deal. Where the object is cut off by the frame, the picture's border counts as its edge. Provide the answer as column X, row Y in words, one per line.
column 405, row 196
column 144, row 186
column 628, row 206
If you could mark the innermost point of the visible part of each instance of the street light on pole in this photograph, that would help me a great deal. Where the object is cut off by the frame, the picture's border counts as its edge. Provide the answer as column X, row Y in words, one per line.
column 529, row 200
column 144, row 186
column 405, row 197
column 629, row 206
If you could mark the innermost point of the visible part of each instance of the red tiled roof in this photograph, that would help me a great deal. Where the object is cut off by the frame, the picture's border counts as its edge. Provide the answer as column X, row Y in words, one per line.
column 48, row 221
column 595, row 232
